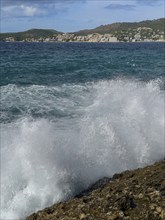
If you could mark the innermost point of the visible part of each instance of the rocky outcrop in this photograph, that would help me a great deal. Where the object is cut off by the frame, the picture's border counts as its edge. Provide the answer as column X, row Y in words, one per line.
column 137, row 194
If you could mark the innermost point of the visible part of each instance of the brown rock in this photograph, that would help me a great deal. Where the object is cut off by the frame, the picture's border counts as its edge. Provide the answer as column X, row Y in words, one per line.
column 131, row 195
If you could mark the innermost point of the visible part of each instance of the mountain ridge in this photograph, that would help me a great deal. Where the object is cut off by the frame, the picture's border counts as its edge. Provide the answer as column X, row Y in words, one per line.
column 119, row 26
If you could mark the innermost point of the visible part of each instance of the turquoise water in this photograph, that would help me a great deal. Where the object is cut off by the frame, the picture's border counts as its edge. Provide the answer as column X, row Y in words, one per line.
column 72, row 113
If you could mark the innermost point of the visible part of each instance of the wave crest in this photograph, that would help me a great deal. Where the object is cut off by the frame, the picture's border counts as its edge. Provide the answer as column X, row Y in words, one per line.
column 120, row 127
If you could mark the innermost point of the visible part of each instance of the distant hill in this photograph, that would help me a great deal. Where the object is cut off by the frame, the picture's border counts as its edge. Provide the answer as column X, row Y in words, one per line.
column 158, row 24
column 32, row 33
column 149, row 30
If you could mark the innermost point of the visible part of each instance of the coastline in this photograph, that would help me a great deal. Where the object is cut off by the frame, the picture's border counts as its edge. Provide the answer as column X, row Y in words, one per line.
column 163, row 41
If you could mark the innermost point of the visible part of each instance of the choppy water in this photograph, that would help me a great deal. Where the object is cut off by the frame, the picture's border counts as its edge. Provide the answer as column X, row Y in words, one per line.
column 72, row 113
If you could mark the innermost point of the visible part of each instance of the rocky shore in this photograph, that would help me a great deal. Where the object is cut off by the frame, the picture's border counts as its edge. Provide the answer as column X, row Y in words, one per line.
column 137, row 194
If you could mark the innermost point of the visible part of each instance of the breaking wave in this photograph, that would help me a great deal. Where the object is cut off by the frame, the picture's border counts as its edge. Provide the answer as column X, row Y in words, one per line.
column 59, row 140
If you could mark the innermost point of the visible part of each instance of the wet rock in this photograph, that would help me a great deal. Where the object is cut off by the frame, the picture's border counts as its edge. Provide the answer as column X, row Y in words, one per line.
column 98, row 185
column 131, row 195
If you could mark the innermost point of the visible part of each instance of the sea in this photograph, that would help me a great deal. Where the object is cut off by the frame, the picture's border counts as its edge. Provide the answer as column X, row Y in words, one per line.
column 72, row 113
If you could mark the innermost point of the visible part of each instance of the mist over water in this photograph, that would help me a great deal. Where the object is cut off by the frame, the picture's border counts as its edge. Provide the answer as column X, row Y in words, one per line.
column 58, row 138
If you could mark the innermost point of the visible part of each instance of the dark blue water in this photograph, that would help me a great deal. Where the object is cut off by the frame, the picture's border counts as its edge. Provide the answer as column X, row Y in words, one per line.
column 58, row 63
column 72, row 113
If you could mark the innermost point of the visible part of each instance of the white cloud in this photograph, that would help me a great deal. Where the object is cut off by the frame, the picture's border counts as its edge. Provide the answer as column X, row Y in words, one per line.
column 33, row 8
column 21, row 11
column 28, row 10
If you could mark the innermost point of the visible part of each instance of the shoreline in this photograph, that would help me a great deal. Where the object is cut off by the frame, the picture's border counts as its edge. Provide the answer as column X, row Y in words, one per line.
column 81, row 42
column 139, row 192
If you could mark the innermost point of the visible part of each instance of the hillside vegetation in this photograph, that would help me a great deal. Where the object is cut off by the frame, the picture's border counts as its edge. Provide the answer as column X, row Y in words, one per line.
column 32, row 33
column 158, row 24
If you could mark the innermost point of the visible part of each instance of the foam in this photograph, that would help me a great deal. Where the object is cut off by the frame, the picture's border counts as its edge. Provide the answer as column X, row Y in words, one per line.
column 120, row 126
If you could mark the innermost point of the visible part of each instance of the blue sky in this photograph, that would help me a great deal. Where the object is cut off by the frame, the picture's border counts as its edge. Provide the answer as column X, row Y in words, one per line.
column 74, row 15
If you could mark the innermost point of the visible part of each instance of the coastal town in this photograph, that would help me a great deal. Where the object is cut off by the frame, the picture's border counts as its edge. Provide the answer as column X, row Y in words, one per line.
column 144, row 31
column 141, row 34
column 66, row 37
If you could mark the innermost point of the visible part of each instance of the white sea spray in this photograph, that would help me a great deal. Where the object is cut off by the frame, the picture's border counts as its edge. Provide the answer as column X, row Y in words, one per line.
column 106, row 127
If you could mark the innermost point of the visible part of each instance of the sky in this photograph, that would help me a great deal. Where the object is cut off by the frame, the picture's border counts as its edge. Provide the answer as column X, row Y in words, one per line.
column 74, row 15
